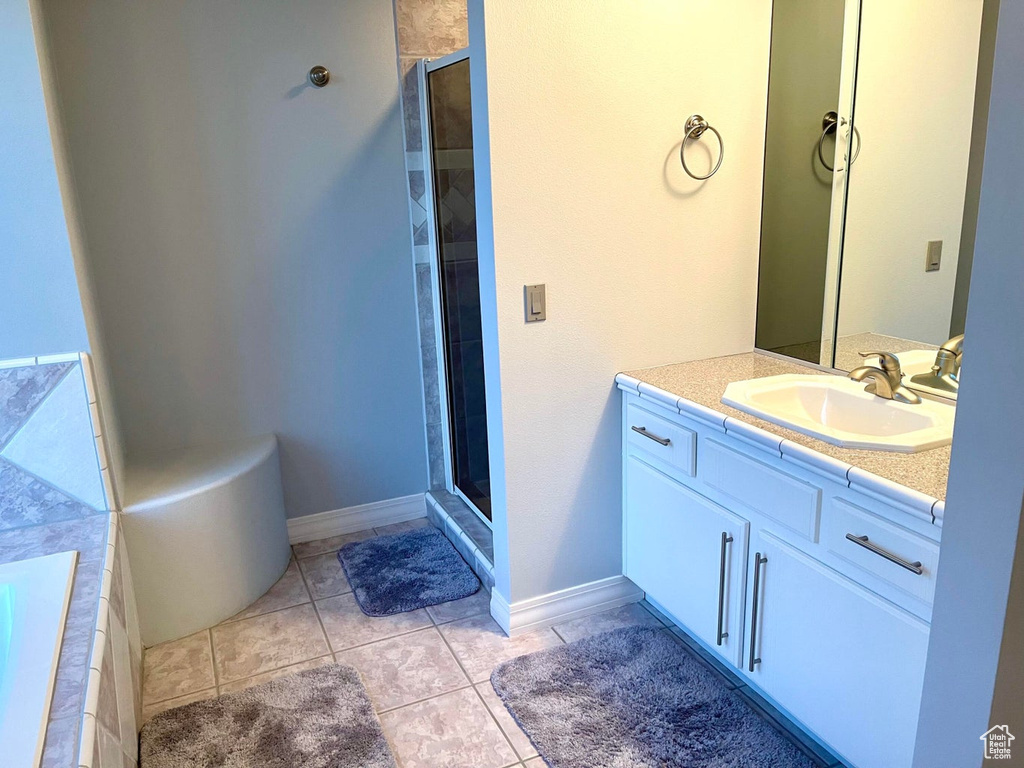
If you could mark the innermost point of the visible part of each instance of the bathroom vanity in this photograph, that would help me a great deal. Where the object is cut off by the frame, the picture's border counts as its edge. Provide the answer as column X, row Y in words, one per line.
column 809, row 569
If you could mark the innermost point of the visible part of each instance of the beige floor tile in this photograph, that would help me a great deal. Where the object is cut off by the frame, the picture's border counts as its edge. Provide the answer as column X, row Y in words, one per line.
column 537, row 762
column 289, row 590
column 454, row 731
column 324, row 575
column 625, row 616
column 405, row 669
column 178, row 667
column 257, row 645
column 473, row 605
column 150, row 710
column 333, row 544
column 266, row 677
column 347, row 626
column 520, row 741
column 479, row 644
column 409, row 525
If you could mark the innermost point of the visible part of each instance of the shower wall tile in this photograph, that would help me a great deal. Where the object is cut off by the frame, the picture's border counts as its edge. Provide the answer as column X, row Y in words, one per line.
column 431, row 28
column 425, row 305
column 411, row 117
column 435, row 449
column 417, row 186
column 427, row 29
column 431, row 384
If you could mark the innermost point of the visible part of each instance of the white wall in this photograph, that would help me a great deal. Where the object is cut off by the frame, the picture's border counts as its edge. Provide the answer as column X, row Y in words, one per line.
column 248, row 234
column 915, row 96
column 582, row 106
column 977, row 638
column 40, row 308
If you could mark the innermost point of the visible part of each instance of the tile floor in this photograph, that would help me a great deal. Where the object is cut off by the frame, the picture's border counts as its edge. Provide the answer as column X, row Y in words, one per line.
column 426, row 671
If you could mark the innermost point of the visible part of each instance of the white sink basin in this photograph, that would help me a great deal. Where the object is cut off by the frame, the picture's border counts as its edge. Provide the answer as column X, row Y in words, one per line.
column 839, row 411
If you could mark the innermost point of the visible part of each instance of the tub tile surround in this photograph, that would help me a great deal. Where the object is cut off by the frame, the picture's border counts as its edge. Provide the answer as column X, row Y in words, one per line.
column 22, row 388
column 88, row 536
column 54, row 487
column 113, row 699
column 97, row 695
column 53, row 456
column 427, row 672
column 917, row 479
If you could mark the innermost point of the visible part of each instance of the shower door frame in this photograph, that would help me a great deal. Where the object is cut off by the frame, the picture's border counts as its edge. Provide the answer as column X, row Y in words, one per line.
column 423, row 68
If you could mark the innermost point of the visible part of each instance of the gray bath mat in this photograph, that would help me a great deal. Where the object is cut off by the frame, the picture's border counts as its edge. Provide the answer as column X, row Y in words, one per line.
column 635, row 698
column 406, row 571
column 320, row 718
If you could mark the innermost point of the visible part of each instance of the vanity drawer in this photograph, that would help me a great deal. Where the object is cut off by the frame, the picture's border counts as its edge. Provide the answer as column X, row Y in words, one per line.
column 662, row 440
column 886, row 546
column 771, row 491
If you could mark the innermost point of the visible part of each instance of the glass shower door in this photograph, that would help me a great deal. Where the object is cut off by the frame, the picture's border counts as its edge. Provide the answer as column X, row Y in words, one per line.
column 451, row 158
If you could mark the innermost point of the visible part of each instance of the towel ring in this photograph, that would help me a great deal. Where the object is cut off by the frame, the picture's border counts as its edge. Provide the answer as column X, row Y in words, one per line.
column 829, row 122
column 695, row 127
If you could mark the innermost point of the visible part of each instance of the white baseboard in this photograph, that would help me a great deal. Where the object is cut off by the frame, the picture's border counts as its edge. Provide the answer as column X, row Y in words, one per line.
column 352, row 519
column 564, row 605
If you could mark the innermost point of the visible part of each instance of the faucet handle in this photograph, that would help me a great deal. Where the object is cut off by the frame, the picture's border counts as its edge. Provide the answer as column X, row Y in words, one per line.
column 887, row 361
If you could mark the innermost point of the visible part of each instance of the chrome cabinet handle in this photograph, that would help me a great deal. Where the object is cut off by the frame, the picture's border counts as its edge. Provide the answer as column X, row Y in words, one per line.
column 643, row 431
column 726, row 538
column 869, row 545
column 758, row 562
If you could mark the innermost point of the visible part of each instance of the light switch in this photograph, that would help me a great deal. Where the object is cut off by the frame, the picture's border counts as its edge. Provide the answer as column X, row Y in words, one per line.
column 934, row 256
column 536, row 303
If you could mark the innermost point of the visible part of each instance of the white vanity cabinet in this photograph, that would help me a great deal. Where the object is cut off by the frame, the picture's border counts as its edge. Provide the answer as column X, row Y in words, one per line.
column 748, row 551
column 690, row 552
column 846, row 663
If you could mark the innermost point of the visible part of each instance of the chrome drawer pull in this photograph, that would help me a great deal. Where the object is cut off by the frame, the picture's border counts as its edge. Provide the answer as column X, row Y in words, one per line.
column 726, row 538
column 863, row 541
column 643, row 431
column 758, row 562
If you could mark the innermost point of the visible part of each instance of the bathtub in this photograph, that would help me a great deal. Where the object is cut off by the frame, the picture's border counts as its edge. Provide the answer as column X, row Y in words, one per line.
column 34, row 596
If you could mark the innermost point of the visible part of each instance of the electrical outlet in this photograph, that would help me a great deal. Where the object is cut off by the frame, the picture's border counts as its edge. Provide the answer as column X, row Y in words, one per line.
column 933, row 257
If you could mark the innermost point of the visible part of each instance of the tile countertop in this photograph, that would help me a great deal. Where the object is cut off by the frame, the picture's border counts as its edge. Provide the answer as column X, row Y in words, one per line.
column 704, row 382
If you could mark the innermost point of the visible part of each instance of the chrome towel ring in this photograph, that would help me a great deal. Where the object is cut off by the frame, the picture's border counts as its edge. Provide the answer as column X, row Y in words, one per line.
column 695, row 128
column 829, row 122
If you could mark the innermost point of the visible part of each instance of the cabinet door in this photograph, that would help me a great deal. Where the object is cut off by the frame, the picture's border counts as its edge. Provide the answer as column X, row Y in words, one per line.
column 845, row 662
column 675, row 551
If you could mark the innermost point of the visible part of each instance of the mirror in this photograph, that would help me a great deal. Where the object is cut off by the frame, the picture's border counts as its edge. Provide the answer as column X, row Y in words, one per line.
column 870, row 184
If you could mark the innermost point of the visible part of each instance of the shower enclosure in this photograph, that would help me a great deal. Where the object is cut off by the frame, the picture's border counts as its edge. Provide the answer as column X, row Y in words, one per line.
column 449, row 174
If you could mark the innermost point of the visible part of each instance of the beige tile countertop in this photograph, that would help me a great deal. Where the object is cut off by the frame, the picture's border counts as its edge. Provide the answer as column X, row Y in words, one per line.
column 704, row 382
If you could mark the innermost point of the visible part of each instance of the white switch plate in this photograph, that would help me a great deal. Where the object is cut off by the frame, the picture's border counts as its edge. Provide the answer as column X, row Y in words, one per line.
column 536, row 302
column 933, row 257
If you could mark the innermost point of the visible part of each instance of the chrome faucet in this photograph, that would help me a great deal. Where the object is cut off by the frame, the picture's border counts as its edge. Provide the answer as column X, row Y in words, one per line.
column 945, row 373
column 886, row 379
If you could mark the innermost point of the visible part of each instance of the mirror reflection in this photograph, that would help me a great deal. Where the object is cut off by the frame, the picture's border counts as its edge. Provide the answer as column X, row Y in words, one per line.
column 870, row 185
